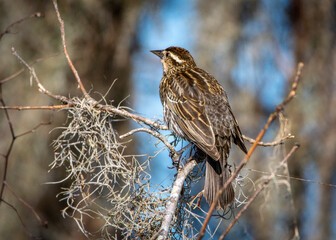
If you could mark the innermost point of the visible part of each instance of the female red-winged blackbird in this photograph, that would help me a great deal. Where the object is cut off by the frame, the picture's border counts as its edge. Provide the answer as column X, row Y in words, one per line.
column 196, row 108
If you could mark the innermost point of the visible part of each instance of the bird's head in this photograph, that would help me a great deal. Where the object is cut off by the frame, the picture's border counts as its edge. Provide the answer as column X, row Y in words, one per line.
column 175, row 59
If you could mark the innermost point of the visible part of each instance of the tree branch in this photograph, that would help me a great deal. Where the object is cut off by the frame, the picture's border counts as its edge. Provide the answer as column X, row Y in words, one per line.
column 136, row 118
column 294, row 178
column 55, row 107
column 39, row 85
column 174, row 197
column 9, row 150
column 7, row 30
column 17, row 213
column 158, row 136
column 43, row 223
column 86, row 95
column 267, row 181
column 14, row 75
column 268, row 144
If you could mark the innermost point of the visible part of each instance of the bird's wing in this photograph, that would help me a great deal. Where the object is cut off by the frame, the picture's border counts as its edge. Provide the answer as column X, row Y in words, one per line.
column 237, row 135
column 219, row 105
column 189, row 109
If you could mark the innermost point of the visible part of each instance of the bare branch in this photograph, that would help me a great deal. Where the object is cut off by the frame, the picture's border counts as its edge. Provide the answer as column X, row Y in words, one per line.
column 34, row 129
column 295, row 178
column 43, row 223
column 14, row 75
column 155, row 134
column 174, row 197
column 33, row 74
column 17, row 213
column 268, row 144
column 9, row 150
column 86, row 95
column 267, row 181
column 5, row 168
column 55, row 107
column 8, row 29
column 279, row 108
column 136, row 118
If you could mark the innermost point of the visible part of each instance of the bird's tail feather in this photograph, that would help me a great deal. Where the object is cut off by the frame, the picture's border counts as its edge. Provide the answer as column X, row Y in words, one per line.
column 213, row 183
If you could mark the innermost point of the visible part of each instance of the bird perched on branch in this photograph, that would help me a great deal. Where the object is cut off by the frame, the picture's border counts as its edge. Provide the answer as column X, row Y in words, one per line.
column 196, row 108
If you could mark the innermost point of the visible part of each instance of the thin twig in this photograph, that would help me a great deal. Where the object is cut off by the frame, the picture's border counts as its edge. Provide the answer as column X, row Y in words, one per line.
column 8, row 29
column 294, row 178
column 155, row 134
column 267, row 181
column 17, row 213
column 174, row 197
column 14, row 75
column 34, row 129
column 5, row 168
column 9, row 150
column 268, row 144
column 60, row 20
column 278, row 109
column 43, row 223
column 39, row 85
column 6, row 157
column 54, row 107
column 126, row 114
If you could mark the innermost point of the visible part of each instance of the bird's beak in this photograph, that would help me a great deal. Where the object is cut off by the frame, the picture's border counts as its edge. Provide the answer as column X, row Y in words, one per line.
column 158, row 53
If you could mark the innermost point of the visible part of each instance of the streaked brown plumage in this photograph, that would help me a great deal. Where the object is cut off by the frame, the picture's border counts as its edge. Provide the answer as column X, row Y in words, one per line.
column 196, row 108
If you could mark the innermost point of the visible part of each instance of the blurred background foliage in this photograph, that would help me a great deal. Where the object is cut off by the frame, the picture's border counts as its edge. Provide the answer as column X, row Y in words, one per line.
column 252, row 47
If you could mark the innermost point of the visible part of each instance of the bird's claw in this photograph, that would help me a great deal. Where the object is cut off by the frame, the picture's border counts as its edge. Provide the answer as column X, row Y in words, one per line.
column 176, row 158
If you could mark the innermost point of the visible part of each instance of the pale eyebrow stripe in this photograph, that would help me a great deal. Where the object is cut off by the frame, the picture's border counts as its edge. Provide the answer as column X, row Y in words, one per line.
column 176, row 58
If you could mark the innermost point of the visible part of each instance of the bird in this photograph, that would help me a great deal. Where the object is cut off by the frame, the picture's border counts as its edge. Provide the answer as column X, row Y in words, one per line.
column 196, row 109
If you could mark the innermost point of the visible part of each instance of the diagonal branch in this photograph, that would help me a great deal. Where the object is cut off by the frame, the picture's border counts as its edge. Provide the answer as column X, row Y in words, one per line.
column 14, row 75
column 173, row 200
column 41, row 88
column 18, row 215
column 8, row 29
column 80, row 84
column 43, row 223
column 267, row 181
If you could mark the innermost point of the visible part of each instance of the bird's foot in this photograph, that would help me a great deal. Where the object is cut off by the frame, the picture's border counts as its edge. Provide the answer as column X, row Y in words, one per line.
column 177, row 156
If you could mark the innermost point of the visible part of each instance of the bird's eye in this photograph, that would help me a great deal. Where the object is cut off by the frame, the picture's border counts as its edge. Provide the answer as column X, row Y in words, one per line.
column 167, row 54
